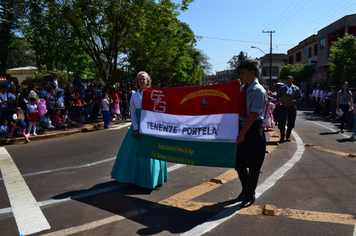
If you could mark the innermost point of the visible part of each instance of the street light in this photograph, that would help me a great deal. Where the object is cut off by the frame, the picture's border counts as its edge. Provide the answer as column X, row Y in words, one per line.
column 258, row 49
column 270, row 66
column 261, row 62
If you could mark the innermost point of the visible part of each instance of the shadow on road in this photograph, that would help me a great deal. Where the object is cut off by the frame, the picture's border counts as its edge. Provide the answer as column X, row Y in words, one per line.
column 158, row 217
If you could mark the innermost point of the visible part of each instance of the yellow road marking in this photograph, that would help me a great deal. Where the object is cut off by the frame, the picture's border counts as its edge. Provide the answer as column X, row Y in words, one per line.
column 346, row 219
column 184, row 201
column 329, row 150
column 274, row 137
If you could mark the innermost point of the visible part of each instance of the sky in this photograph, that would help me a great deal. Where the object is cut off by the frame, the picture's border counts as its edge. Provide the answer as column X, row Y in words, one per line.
column 228, row 27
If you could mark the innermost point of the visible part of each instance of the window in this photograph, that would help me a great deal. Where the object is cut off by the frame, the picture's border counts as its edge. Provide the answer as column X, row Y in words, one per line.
column 298, row 57
column 310, row 52
column 322, row 43
column 315, row 49
column 265, row 71
column 290, row 60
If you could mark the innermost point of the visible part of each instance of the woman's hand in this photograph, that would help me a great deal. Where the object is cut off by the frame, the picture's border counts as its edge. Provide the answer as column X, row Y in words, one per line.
column 136, row 134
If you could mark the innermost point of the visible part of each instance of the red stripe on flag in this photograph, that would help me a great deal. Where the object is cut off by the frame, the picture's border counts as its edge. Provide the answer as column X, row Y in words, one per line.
column 198, row 100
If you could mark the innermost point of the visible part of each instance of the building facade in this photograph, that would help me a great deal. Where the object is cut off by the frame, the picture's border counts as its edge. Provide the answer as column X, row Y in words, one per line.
column 278, row 61
column 223, row 76
column 306, row 52
column 315, row 50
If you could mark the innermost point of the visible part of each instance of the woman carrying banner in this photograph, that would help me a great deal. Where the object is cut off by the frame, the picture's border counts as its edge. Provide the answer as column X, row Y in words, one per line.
column 129, row 167
column 251, row 140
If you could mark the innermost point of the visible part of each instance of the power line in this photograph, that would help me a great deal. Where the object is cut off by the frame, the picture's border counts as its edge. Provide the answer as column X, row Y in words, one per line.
column 317, row 24
column 294, row 14
column 235, row 40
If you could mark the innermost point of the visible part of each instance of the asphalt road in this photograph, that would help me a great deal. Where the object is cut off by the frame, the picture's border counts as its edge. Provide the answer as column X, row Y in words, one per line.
column 311, row 181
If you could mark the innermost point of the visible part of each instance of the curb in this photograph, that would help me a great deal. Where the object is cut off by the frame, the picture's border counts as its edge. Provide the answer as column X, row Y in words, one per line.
column 54, row 134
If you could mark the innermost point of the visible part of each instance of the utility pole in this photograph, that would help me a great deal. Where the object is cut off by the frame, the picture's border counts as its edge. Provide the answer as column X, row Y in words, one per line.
column 270, row 32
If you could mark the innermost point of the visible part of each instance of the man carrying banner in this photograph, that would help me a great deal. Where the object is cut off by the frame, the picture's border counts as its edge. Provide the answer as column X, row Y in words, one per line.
column 251, row 140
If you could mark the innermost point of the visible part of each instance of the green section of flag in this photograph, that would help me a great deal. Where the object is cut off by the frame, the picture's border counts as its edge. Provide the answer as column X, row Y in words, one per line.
column 213, row 154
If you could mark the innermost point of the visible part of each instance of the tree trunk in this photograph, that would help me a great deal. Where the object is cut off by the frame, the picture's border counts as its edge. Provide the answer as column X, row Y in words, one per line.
column 5, row 31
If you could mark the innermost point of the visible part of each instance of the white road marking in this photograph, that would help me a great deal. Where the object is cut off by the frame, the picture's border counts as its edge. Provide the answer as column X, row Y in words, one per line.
column 116, row 127
column 96, row 224
column 28, row 215
column 235, row 208
column 68, row 168
column 85, row 194
column 333, row 130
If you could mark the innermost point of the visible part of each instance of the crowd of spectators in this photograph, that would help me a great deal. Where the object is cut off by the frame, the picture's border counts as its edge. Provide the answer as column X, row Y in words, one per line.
column 325, row 101
column 67, row 103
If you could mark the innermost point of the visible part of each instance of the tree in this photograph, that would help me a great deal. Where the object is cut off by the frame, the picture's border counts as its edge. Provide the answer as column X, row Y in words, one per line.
column 164, row 47
column 204, row 63
column 104, row 27
column 53, row 40
column 343, row 59
column 299, row 72
column 20, row 53
column 10, row 12
column 235, row 63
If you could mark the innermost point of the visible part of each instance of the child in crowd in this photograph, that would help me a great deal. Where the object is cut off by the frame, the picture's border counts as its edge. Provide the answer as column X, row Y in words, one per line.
column 4, row 130
column 32, row 114
column 57, row 121
column 47, row 123
column 268, row 121
column 59, row 100
column 88, row 102
column 105, row 109
column 66, row 120
column 115, row 106
column 19, row 118
column 79, row 110
column 96, row 106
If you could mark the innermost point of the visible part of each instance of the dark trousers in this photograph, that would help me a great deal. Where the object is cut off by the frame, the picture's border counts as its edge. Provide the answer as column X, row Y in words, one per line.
column 287, row 114
column 327, row 107
column 345, row 109
column 250, row 154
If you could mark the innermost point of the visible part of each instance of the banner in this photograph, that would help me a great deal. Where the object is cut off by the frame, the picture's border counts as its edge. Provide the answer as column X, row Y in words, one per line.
column 191, row 125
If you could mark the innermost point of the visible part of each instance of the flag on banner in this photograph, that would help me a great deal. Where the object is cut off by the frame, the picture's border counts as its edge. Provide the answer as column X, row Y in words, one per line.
column 191, row 125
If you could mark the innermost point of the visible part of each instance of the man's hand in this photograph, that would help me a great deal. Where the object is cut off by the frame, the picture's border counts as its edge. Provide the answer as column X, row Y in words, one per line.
column 136, row 134
column 240, row 138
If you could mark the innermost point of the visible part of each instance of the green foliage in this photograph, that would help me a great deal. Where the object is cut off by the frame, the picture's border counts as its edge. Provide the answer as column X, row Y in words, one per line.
column 37, row 79
column 164, row 47
column 54, row 41
column 299, row 72
column 10, row 12
column 235, row 63
column 20, row 53
column 343, row 60
column 95, row 38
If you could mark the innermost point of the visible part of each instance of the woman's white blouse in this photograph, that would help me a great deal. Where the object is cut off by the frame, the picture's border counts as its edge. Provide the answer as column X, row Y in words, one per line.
column 135, row 103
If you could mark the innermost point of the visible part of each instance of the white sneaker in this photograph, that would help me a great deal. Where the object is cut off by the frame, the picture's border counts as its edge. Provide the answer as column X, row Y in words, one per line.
column 28, row 135
column 34, row 134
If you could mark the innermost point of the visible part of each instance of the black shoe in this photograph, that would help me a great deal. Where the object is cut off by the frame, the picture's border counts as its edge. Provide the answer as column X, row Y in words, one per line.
column 281, row 140
column 248, row 201
column 241, row 197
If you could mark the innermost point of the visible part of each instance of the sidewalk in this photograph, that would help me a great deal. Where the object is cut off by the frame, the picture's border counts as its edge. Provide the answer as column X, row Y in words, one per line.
column 54, row 133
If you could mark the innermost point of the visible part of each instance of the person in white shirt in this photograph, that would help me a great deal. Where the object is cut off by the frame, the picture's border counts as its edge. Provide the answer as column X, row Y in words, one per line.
column 3, row 102
column 4, row 129
column 47, row 123
column 105, row 109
